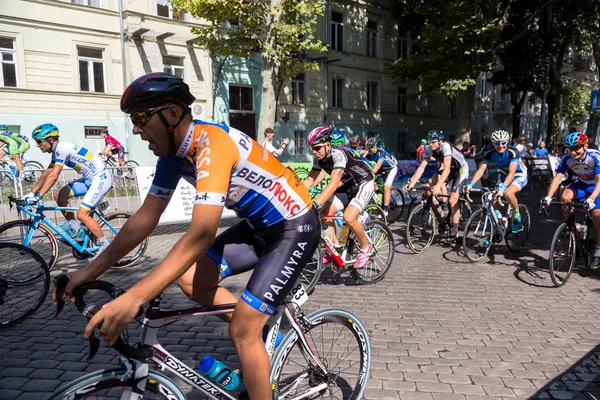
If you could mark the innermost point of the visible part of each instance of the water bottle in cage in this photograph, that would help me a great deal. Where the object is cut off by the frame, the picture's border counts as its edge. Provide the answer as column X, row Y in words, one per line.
column 582, row 229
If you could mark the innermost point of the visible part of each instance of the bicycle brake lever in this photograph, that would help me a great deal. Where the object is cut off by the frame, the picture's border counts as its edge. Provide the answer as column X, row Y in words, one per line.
column 89, row 312
column 60, row 282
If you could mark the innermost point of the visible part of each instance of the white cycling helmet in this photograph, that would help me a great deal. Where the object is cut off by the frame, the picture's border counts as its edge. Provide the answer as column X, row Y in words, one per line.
column 500, row 136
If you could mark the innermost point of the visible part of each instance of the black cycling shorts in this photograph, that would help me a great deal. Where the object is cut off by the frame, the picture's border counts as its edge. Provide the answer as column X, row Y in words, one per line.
column 277, row 255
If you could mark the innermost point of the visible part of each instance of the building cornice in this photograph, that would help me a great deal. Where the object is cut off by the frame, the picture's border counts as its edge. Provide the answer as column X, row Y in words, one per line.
column 59, row 93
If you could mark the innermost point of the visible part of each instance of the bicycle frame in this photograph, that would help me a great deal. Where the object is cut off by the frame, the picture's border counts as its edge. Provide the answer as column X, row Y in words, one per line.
column 488, row 199
column 39, row 217
column 154, row 318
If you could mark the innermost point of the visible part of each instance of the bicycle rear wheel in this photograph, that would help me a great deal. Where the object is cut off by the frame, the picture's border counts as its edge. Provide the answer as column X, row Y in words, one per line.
column 515, row 241
column 116, row 221
column 31, row 171
column 24, row 283
column 562, row 255
column 311, row 273
column 477, row 236
column 340, row 341
column 376, row 213
column 382, row 241
column 43, row 240
column 421, row 227
column 107, row 384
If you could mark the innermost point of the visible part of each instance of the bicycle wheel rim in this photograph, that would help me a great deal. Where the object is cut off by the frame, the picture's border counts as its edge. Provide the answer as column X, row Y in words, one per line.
column 562, row 255
column 24, row 283
column 311, row 273
column 382, row 242
column 477, row 230
column 116, row 221
column 376, row 213
column 43, row 240
column 516, row 241
column 420, row 229
column 348, row 360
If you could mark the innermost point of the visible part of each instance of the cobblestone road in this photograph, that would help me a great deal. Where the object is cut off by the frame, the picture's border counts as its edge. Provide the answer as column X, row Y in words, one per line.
column 440, row 327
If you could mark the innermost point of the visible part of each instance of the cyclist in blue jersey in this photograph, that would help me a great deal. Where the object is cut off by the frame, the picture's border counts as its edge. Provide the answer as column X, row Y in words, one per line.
column 508, row 163
column 384, row 163
column 584, row 165
column 93, row 185
column 13, row 145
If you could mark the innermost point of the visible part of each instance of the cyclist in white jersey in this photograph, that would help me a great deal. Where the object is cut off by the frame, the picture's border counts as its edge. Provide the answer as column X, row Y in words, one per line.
column 93, row 185
column 584, row 165
column 453, row 166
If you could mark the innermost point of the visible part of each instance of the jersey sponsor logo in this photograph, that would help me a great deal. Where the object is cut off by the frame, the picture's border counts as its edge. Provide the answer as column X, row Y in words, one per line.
column 163, row 193
column 202, row 156
column 244, row 141
column 286, row 273
column 254, row 178
column 285, row 198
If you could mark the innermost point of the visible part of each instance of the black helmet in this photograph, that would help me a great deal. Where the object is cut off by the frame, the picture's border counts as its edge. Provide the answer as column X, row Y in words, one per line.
column 155, row 89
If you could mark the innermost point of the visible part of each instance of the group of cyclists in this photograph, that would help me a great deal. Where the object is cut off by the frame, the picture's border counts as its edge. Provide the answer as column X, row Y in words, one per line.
column 279, row 228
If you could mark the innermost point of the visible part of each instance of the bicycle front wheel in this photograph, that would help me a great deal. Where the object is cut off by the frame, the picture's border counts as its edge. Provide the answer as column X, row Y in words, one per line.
column 24, row 283
column 340, row 342
column 31, row 171
column 477, row 236
column 516, row 240
column 43, row 239
column 130, row 167
column 562, row 255
column 382, row 242
column 116, row 220
column 107, row 384
column 421, row 227
column 311, row 273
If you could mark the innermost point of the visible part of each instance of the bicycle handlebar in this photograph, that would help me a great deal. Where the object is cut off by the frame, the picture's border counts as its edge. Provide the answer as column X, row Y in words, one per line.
column 88, row 311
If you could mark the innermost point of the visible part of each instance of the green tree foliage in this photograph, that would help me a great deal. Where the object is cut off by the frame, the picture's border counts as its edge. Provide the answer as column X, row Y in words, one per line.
column 281, row 32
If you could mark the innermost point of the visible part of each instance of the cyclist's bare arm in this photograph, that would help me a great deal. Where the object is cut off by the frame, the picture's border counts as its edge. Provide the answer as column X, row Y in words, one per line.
column 50, row 179
column 445, row 170
column 512, row 170
column 115, row 315
column 418, row 173
column 377, row 166
column 479, row 173
column 555, row 184
column 40, row 182
column 332, row 186
column 314, row 178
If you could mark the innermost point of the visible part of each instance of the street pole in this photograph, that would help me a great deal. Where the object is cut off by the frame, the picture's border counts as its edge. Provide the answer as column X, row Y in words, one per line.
column 124, row 70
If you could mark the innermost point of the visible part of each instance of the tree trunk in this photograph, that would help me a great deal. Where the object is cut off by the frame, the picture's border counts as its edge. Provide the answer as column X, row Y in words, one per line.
column 517, row 106
column 551, row 100
column 270, row 64
column 465, row 104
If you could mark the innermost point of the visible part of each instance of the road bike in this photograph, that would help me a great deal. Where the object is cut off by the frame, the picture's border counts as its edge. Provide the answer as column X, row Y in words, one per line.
column 326, row 353
column 396, row 206
column 128, row 171
column 571, row 241
column 488, row 226
column 24, row 283
column 431, row 218
column 373, row 208
column 39, row 232
column 10, row 171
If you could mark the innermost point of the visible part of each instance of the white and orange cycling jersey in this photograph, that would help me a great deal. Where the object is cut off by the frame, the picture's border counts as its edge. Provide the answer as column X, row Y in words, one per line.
column 229, row 168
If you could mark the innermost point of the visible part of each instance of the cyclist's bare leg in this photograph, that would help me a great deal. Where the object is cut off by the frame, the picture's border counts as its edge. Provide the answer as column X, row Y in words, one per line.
column 121, row 162
column 17, row 160
column 596, row 219
column 62, row 200
column 511, row 196
column 85, row 217
column 453, row 201
column 200, row 283
column 351, row 214
column 387, row 195
column 329, row 209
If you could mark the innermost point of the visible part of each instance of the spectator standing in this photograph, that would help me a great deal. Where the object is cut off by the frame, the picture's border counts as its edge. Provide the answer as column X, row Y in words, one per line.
column 354, row 143
column 522, row 147
column 421, row 149
column 529, row 151
column 541, row 151
column 468, row 150
column 268, row 143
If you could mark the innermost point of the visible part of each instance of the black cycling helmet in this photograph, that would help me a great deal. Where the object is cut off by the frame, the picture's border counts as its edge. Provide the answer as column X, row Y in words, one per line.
column 155, row 89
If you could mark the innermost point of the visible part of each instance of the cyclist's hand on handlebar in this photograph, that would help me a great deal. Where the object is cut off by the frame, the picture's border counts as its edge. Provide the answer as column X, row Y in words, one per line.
column 589, row 203
column 436, row 190
column 468, row 188
column 114, row 317
column 546, row 201
column 407, row 188
column 76, row 278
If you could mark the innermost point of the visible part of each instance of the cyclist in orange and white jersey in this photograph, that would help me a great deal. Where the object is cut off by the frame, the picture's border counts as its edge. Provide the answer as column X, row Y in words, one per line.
column 276, row 238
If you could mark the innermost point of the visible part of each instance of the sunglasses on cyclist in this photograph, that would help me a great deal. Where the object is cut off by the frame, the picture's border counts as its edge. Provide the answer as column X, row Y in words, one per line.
column 500, row 144
column 317, row 147
column 575, row 148
column 41, row 141
column 141, row 118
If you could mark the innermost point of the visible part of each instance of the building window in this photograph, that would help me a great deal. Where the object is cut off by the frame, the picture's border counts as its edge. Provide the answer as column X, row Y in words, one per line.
column 8, row 56
column 372, row 96
column 337, row 31
column 402, row 47
column 165, row 9
column 451, row 107
column 371, row 38
column 91, row 70
column 483, row 85
column 240, row 98
column 92, row 3
column 298, row 90
column 401, row 100
column 427, row 106
column 300, row 142
column 173, row 66
column 337, row 92
column 93, row 132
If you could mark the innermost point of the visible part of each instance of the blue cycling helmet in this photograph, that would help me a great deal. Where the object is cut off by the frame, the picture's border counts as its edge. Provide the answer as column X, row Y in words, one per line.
column 337, row 138
column 435, row 135
column 44, row 132
column 3, row 128
column 576, row 139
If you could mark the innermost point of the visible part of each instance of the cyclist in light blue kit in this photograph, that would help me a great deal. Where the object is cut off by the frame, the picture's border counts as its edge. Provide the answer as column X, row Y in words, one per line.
column 385, row 163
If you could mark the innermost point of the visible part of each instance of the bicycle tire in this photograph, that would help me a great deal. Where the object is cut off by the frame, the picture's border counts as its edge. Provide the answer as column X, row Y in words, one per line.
column 376, row 213
column 318, row 329
column 372, row 272
column 474, row 246
column 413, row 231
column 19, row 284
column 130, row 168
column 133, row 256
column 91, row 386
column 43, row 241
column 565, row 258
column 465, row 212
column 396, row 208
column 311, row 273
column 516, row 241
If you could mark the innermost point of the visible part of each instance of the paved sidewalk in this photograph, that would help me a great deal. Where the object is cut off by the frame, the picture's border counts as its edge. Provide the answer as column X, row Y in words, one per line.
column 440, row 327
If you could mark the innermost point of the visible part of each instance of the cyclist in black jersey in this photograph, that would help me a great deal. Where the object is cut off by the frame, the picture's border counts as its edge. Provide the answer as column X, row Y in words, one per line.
column 350, row 187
